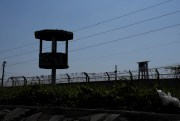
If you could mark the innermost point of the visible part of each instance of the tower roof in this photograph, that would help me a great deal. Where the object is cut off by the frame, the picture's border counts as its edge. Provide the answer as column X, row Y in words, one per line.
column 143, row 62
column 49, row 34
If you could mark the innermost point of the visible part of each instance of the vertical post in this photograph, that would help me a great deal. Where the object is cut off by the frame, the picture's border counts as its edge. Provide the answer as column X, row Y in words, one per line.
column 25, row 80
column 68, row 78
column 87, row 77
column 13, row 81
column 38, row 79
column 157, row 72
column 53, row 76
column 115, row 71
column 66, row 50
column 54, row 50
column 108, row 76
column 131, row 76
column 40, row 46
column 4, row 63
column 147, row 71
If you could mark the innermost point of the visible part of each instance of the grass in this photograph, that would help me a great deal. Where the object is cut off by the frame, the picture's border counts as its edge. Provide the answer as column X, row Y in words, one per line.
column 121, row 96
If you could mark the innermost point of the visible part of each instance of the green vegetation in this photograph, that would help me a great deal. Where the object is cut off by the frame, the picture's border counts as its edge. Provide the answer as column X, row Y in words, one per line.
column 121, row 96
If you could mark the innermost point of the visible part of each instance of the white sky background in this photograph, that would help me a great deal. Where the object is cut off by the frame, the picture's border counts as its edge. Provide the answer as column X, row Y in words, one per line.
column 19, row 19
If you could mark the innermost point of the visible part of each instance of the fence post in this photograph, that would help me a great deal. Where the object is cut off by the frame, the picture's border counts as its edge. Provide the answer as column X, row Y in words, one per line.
column 108, row 76
column 87, row 77
column 13, row 81
column 115, row 72
column 131, row 77
column 68, row 78
column 38, row 79
column 157, row 72
column 25, row 80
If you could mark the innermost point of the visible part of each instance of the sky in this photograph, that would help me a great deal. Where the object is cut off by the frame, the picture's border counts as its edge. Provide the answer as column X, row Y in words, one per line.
column 106, row 33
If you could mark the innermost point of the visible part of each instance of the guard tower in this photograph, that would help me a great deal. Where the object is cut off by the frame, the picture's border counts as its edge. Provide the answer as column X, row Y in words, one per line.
column 143, row 70
column 53, row 60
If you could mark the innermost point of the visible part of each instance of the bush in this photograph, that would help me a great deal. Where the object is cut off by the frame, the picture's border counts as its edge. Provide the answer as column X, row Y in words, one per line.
column 120, row 96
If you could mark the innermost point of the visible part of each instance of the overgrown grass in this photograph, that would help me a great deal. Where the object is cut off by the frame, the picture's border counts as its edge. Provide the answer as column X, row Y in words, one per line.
column 121, row 96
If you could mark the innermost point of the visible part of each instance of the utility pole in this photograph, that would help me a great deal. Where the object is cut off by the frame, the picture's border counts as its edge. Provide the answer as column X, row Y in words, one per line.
column 4, row 63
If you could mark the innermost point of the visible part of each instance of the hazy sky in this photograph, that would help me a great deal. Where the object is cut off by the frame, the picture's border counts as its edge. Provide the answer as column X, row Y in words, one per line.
column 106, row 33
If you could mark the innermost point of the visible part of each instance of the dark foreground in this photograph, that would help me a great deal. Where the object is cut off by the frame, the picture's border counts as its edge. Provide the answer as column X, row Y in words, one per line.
column 30, row 113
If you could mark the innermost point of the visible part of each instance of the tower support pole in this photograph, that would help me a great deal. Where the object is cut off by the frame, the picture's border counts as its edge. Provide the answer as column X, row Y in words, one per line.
column 54, row 51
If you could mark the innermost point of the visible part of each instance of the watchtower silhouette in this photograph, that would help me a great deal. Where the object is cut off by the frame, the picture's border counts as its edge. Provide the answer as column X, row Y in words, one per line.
column 53, row 60
column 143, row 70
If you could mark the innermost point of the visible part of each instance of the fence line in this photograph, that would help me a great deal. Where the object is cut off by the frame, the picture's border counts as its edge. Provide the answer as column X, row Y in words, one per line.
column 160, row 73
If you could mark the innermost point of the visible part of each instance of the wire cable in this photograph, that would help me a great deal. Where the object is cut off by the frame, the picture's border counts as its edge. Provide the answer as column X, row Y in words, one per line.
column 96, row 24
column 127, row 14
column 35, row 59
column 114, row 29
column 144, row 33
column 130, row 51
column 19, row 54
column 128, row 37
column 32, row 43
column 125, row 26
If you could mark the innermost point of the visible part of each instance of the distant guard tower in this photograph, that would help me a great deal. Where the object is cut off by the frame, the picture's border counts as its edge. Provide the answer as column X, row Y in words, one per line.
column 53, row 60
column 143, row 70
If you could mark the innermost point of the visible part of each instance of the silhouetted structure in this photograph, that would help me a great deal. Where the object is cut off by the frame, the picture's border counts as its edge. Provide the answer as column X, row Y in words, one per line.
column 115, row 72
column 87, row 77
column 53, row 60
column 4, row 63
column 161, row 77
column 143, row 70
